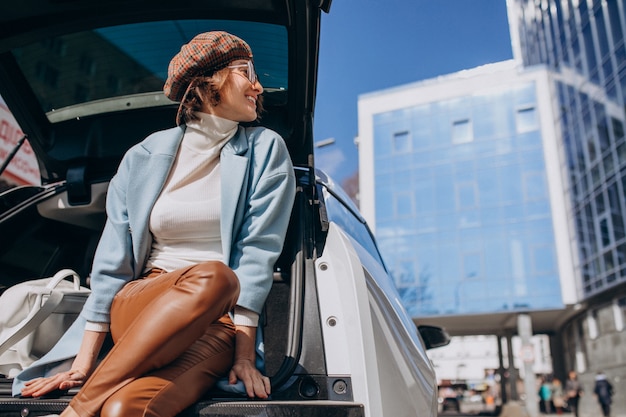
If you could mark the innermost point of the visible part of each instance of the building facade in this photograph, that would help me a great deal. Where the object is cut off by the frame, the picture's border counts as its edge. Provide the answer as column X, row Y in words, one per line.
column 465, row 198
column 582, row 41
column 500, row 191
column 461, row 196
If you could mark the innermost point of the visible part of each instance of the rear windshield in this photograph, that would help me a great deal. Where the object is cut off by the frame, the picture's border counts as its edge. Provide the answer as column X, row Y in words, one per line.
column 101, row 65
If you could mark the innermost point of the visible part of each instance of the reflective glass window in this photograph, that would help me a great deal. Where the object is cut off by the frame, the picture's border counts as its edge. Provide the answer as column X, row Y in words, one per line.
column 421, row 127
column 590, row 53
column 472, row 265
column 492, row 117
column 534, row 186
column 402, row 142
column 601, row 31
column 604, row 232
column 466, row 195
column 403, row 203
column 384, row 210
column 382, row 133
column 131, row 59
column 487, row 184
column 526, row 119
column 445, row 193
column 339, row 213
column 614, row 19
column 602, row 126
column 543, row 259
column 462, row 131
column 540, row 208
column 608, row 261
column 424, row 196
column 600, row 205
column 509, row 177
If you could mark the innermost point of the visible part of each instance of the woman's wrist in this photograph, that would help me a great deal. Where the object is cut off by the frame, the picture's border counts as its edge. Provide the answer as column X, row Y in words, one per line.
column 82, row 366
column 245, row 344
column 80, row 372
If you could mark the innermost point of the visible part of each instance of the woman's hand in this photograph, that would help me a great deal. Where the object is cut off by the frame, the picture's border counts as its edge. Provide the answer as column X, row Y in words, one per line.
column 244, row 369
column 61, row 381
column 257, row 385
column 82, row 366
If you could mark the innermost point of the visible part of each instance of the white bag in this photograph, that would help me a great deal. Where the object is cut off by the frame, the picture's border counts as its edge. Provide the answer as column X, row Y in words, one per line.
column 33, row 317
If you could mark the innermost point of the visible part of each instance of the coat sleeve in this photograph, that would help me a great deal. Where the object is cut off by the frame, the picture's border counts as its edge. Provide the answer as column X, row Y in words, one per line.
column 110, row 271
column 259, row 239
column 113, row 264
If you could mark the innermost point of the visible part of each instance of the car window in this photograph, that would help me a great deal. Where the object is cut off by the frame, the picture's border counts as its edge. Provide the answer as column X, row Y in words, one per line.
column 343, row 214
column 92, row 66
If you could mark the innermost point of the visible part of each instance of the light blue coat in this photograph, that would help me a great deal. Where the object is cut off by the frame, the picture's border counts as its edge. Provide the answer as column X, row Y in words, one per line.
column 258, row 188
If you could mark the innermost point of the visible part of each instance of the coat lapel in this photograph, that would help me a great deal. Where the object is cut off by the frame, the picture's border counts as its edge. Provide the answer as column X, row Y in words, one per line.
column 146, row 183
column 234, row 173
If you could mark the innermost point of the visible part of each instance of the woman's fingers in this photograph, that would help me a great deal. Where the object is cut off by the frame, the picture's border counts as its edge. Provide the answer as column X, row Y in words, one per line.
column 266, row 385
column 63, row 381
column 39, row 387
column 76, row 380
column 259, row 385
column 255, row 383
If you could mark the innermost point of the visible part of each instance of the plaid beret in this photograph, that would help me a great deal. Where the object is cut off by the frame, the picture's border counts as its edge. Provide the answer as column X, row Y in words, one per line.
column 203, row 55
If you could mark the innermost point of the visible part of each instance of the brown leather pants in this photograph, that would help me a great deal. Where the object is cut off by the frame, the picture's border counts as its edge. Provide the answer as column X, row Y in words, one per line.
column 173, row 339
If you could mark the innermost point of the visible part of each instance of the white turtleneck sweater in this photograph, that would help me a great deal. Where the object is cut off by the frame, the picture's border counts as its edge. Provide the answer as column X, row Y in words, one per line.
column 185, row 219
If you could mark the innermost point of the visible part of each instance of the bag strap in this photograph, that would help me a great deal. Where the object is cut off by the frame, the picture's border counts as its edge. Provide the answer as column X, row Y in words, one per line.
column 61, row 275
column 37, row 316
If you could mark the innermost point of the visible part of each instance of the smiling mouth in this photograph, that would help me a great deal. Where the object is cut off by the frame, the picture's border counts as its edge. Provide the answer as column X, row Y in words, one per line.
column 251, row 99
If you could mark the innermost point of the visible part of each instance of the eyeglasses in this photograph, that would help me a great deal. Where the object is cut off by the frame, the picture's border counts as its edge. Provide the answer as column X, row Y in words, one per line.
column 247, row 72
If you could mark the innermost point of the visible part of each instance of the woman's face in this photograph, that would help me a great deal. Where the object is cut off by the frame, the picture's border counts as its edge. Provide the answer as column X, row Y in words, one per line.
column 238, row 97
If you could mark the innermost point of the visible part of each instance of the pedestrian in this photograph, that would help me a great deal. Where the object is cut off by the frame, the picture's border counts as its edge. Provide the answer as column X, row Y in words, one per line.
column 196, row 218
column 573, row 390
column 545, row 395
column 557, row 396
column 604, row 393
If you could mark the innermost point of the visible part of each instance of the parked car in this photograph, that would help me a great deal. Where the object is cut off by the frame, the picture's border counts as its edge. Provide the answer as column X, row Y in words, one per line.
column 84, row 81
column 472, row 397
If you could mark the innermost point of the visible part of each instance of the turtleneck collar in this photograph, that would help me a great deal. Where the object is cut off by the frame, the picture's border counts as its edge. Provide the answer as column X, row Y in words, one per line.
column 208, row 131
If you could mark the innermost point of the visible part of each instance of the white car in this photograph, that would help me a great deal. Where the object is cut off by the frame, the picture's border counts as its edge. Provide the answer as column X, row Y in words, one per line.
column 84, row 81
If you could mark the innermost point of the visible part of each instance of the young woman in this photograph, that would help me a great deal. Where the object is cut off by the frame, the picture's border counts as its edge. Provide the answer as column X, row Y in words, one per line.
column 197, row 216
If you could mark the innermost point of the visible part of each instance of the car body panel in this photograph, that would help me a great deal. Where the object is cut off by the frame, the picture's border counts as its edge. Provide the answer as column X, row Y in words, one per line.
column 346, row 321
column 365, row 336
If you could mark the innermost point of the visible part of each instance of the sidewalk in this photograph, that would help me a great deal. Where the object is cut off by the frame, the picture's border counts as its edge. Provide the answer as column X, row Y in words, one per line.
column 516, row 409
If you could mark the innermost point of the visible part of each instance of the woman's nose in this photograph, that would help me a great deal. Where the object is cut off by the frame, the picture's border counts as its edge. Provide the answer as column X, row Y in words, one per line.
column 257, row 86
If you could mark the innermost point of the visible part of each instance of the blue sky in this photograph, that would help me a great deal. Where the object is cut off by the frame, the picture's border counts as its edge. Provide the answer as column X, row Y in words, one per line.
column 370, row 45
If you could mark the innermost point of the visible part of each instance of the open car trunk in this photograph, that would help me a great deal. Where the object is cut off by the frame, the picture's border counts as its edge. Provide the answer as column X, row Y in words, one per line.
column 84, row 80
column 55, row 235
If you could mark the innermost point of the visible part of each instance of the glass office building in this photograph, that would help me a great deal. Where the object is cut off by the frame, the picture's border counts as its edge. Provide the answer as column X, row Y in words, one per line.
column 462, row 207
column 461, row 201
column 582, row 42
